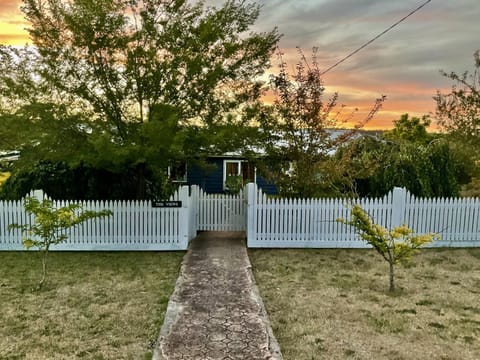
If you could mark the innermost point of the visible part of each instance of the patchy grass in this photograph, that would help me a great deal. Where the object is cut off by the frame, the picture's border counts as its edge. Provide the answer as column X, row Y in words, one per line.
column 92, row 306
column 335, row 304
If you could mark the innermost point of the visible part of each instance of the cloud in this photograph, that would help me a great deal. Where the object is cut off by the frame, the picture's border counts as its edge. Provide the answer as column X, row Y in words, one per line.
column 404, row 63
column 13, row 39
column 9, row 7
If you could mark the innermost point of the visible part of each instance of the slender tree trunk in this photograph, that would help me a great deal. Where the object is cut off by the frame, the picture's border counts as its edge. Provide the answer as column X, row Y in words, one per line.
column 392, row 277
column 44, row 268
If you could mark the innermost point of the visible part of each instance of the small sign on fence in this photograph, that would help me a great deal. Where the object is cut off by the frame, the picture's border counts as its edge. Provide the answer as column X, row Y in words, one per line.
column 166, row 204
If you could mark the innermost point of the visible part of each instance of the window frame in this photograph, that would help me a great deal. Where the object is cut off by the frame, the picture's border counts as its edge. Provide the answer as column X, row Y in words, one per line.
column 183, row 180
column 239, row 170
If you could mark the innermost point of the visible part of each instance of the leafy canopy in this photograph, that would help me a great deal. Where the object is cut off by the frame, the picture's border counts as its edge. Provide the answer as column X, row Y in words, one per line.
column 406, row 156
column 118, row 84
column 458, row 112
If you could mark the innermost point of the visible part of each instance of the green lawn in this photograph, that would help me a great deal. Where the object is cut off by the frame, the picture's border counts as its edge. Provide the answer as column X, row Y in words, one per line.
column 94, row 305
column 334, row 304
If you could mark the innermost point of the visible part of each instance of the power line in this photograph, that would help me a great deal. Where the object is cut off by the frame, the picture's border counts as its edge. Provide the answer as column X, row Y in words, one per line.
column 375, row 38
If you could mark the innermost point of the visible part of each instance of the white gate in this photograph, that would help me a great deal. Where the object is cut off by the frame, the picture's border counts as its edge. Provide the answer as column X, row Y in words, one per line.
column 221, row 212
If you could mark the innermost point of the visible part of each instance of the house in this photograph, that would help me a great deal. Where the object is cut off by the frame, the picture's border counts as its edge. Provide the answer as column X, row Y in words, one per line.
column 212, row 175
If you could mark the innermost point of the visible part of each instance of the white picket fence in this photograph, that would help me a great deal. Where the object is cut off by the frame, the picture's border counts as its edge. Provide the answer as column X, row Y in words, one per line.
column 456, row 220
column 133, row 226
column 269, row 222
column 137, row 225
column 311, row 223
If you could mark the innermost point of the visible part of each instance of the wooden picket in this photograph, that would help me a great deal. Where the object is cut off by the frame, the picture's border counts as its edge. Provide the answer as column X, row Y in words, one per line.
column 311, row 223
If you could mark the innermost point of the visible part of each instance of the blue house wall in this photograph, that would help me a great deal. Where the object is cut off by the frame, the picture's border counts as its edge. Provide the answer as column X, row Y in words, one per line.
column 267, row 187
column 211, row 181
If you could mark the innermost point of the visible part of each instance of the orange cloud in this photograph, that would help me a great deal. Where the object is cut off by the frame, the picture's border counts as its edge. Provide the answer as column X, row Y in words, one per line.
column 357, row 90
column 13, row 39
column 12, row 24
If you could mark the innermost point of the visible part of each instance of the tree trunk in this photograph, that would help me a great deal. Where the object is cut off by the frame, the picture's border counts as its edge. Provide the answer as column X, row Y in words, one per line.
column 392, row 277
column 44, row 268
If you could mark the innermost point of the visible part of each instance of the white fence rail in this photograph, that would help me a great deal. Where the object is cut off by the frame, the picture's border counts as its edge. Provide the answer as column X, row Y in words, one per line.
column 133, row 226
column 311, row 223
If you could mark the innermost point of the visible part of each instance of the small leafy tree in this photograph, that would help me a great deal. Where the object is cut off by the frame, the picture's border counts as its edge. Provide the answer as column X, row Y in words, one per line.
column 50, row 224
column 397, row 245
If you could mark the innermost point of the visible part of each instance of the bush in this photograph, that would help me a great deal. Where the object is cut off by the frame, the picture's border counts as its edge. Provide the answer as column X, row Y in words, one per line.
column 397, row 245
column 50, row 224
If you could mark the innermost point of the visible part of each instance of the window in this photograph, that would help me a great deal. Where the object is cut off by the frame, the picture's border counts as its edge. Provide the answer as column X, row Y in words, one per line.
column 248, row 172
column 177, row 172
column 232, row 168
column 238, row 167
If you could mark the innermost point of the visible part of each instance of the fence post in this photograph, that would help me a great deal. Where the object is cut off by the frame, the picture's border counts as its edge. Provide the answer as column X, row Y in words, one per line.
column 399, row 203
column 251, row 213
column 38, row 194
column 193, row 211
column 184, row 218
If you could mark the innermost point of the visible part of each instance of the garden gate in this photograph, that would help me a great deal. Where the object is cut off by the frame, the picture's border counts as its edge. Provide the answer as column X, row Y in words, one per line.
column 220, row 212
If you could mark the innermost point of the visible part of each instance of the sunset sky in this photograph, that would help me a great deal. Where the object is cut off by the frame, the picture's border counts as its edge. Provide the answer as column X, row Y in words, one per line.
column 403, row 64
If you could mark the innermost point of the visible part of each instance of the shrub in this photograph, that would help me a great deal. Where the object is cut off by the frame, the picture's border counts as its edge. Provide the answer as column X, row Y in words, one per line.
column 50, row 224
column 397, row 245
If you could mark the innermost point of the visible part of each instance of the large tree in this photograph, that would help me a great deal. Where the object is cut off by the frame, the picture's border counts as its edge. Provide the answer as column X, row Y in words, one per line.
column 303, row 127
column 458, row 112
column 127, row 85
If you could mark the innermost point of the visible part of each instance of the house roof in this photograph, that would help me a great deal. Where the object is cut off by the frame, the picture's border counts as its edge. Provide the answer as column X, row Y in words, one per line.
column 334, row 133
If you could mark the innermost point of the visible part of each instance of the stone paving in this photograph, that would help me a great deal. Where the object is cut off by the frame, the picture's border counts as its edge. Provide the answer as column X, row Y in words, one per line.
column 215, row 311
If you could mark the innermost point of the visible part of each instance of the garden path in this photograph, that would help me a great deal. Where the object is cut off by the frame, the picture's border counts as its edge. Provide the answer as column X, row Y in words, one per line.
column 216, row 311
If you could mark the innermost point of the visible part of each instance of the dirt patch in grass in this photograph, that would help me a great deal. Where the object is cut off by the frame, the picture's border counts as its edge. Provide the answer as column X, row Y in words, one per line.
column 93, row 305
column 335, row 304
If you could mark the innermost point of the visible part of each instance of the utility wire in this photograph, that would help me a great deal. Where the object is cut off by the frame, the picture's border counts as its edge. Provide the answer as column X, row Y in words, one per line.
column 375, row 38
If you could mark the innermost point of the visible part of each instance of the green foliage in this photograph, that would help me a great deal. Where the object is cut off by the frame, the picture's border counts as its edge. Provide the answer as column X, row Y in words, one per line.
column 458, row 112
column 123, row 85
column 50, row 224
column 234, row 184
column 397, row 245
column 472, row 189
column 412, row 130
column 300, row 139
column 428, row 165
column 63, row 182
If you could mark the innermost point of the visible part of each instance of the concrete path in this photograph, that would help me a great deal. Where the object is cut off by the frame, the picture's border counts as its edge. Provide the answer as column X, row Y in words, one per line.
column 215, row 311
